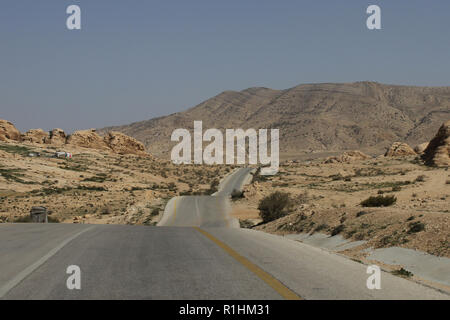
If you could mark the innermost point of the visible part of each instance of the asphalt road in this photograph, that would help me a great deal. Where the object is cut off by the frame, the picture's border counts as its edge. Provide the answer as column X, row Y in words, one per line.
column 194, row 254
column 234, row 181
column 198, row 211
column 137, row 262
column 206, row 211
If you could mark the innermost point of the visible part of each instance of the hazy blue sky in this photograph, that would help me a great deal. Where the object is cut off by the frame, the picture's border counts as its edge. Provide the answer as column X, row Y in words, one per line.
column 134, row 60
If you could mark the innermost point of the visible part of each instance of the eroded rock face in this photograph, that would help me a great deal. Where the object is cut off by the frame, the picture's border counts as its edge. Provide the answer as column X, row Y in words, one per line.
column 56, row 137
column 438, row 151
column 348, row 157
column 8, row 131
column 123, row 144
column 400, row 149
column 87, row 139
column 35, row 136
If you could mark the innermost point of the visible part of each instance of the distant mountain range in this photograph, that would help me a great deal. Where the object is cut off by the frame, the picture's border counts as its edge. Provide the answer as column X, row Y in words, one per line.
column 312, row 118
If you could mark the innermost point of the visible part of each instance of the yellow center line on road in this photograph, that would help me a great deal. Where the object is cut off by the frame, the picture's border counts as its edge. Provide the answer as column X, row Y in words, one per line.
column 284, row 291
column 174, row 209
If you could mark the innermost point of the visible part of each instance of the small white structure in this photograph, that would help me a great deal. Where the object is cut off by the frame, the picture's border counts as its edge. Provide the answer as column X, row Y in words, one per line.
column 63, row 154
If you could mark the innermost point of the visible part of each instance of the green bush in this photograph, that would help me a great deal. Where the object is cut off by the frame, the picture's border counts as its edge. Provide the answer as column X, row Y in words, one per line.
column 274, row 206
column 379, row 201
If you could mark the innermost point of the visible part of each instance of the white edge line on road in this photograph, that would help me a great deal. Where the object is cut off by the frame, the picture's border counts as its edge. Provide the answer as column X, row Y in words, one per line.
column 24, row 273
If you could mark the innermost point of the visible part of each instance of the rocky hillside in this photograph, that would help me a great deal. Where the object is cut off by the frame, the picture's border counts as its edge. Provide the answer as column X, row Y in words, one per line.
column 115, row 142
column 313, row 117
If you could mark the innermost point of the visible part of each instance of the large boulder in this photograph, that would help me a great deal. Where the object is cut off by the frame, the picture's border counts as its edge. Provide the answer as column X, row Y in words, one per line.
column 8, row 131
column 348, row 157
column 56, row 137
column 400, row 149
column 35, row 136
column 87, row 139
column 419, row 149
column 123, row 144
column 438, row 151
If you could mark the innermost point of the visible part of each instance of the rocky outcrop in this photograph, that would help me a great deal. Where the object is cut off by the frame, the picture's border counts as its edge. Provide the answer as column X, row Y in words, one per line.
column 348, row 157
column 421, row 148
column 87, row 139
column 113, row 141
column 8, row 131
column 56, row 137
column 123, row 144
column 400, row 149
column 35, row 136
column 438, row 151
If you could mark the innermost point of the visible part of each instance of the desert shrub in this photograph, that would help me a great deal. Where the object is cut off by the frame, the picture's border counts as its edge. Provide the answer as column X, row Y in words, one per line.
column 359, row 236
column 106, row 210
column 274, row 206
column 52, row 219
column 172, row 186
column 396, row 188
column 15, row 149
column 14, row 175
column 237, row 194
column 379, row 201
column 415, row 227
column 368, row 172
column 27, row 219
column 361, row 213
column 91, row 188
column 402, row 272
column 99, row 177
column 336, row 177
column 257, row 177
column 321, row 227
column 338, row 229
column 421, row 178
column 23, row 219
column 247, row 224
column 349, row 234
column 155, row 212
column 213, row 187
